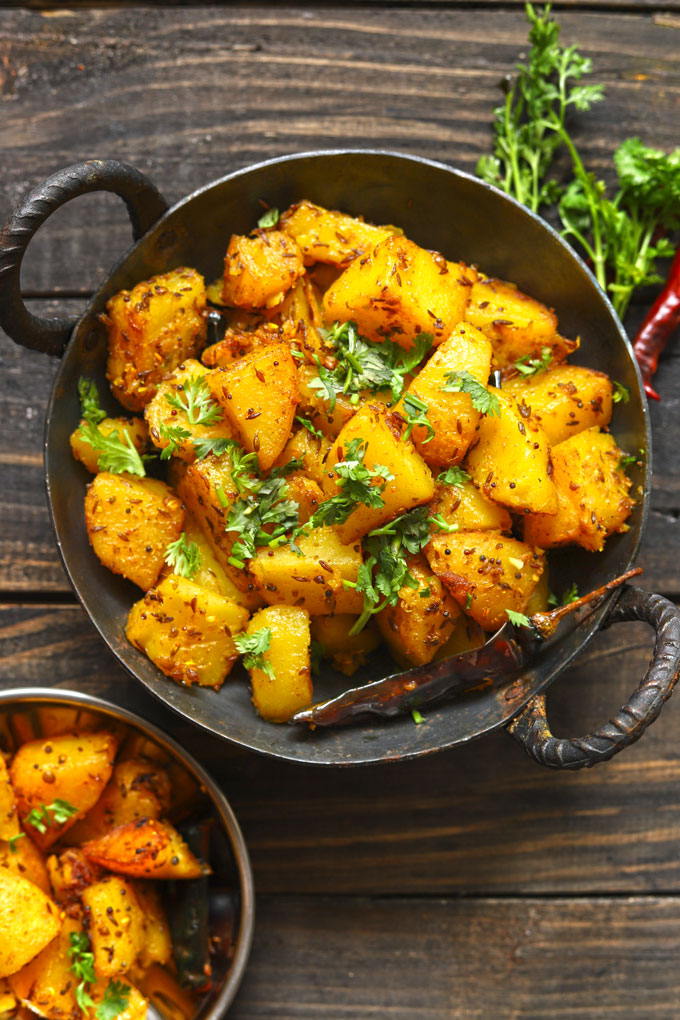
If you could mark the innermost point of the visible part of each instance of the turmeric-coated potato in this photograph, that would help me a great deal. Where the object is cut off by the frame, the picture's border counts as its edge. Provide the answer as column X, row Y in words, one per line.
column 187, row 631
column 70, row 873
column 29, row 920
column 148, row 848
column 259, row 395
column 486, row 573
column 308, row 448
column 198, row 416
column 593, row 494
column 137, row 789
column 135, row 428
column 136, row 1005
column 511, row 460
column 411, row 482
column 9, row 821
column 286, row 686
column 47, row 984
column 329, row 236
column 398, row 291
column 347, row 652
column 60, row 776
column 451, row 415
column 305, row 492
column 23, row 857
column 157, row 947
column 422, row 620
column 465, row 507
column 152, row 329
column 115, row 922
column 259, row 270
column 130, row 523
column 565, row 400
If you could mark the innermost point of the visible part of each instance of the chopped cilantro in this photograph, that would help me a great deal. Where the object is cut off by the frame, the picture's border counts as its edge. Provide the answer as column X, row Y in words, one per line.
column 184, row 557
column 199, row 406
column 531, row 366
column 483, row 400
column 425, row 593
column 115, row 455
column 468, row 600
column 175, row 436
column 13, row 840
column 519, row 619
column 441, row 525
column 82, row 966
column 625, row 461
column 316, row 654
column 414, row 411
column 268, row 219
column 417, row 717
column 90, row 409
column 306, row 423
column 357, row 484
column 115, row 1001
column 252, row 647
column 40, row 818
column 621, row 393
column 453, row 476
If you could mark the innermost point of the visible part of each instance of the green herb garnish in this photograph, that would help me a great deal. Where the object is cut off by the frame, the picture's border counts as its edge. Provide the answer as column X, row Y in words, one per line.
column 483, row 400
column 414, row 411
column 620, row 393
column 453, row 476
column 90, row 409
column 82, row 966
column 13, row 840
column 417, row 717
column 268, row 219
column 519, row 619
column 175, row 435
column 115, row 1001
column 252, row 647
column 625, row 460
column 198, row 405
column 40, row 818
column 306, row 423
column 115, row 455
column 528, row 366
column 357, row 484
column 184, row 557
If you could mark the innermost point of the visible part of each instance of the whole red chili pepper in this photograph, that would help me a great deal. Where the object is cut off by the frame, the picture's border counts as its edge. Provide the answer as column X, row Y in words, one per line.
column 655, row 331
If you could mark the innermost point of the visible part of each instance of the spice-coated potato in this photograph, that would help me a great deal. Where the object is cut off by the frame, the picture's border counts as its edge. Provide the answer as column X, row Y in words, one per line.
column 593, row 494
column 152, row 329
column 137, row 789
column 22, row 857
column 148, row 848
column 134, row 427
column 398, row 291
column 29, row 920
column 310, row 449
column 313, row 580
column 162, row 413
column 305, row 492
column 69, row 874
column 70, row 768
column 157, row 947
column 486, row 573
column 47, row 983
column 115, row 922
column 465, row 506
column 187, row 631
column 276, row 697
column 511, row 461
column 9, row 821
column 346, row 651
column 259, row 270
column 327, row 236
column 411, row 484
column 419, row 625
column 259, row 395
column 130, row 522
column 565, row 400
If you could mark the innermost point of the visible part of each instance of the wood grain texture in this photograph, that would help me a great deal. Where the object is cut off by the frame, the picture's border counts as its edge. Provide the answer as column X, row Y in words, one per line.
column 482, row 819
column 189, row 98
column 452, row 959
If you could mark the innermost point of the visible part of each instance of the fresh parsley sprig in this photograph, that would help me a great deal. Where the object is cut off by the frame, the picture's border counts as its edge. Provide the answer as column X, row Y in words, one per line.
column 198, row 403
column 252, row 647
column 56, row 813
column 175, row 436
column 184, row 557
column 483, row 400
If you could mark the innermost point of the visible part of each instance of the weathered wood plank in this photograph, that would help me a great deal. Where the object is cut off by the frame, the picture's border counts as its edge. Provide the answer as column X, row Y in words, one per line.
column 479, row 819
column 462, row 959
column 188, row 98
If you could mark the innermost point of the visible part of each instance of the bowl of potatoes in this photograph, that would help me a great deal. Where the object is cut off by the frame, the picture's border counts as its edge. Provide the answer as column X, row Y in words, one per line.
column 125, row 883
column 337, row 432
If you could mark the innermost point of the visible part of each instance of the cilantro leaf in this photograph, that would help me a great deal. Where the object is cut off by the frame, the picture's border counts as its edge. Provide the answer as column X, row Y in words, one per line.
column 115, row 1001
column 268, row 219
column 453, row 476
column 263, row 505
column 199, row 406
column 415, row 413
column 483, row 400
column 357, row 484
column 184, row 557
column 417, row 717
column 175, row 436
column 621, row 393
column 13, row 840
column 90, row 409
column 316, row 654
column 252, row 647
column 625, row 460
column 519, row 619
column 40, row 817
column 82, row 966
column 528, row 366
column 306, row 423
column 115, row 455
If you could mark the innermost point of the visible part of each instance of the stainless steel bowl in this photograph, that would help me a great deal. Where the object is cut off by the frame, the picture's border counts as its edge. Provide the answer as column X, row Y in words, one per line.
column 230, row 863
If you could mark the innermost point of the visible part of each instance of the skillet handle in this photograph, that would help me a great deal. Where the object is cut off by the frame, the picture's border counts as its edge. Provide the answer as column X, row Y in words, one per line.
column 145, row 205
column 530, row 726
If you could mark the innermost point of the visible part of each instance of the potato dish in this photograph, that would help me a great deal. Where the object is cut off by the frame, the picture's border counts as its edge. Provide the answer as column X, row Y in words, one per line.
column 87, row 858
column 377, row 445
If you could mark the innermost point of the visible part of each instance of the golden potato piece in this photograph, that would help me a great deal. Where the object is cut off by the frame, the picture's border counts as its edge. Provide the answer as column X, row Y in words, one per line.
column 348, row 652
column 287, row 686
column 137, row 789
column 593, row 493
column 203, row 418
column 136, row 1005
column 236, row 343
column 29, row 920
column 187, row 631
column 130, row 523
column 398, row 291
column 451, row 415
column 305, row 492
column 47, row 984
column 22, row 857
column 511, row 461
column 517, row 325
column 70, row 770
column 310, row 449
column 157, row 947
column 564, row 400
column 259, row 270
column 486, row 573
column 148, row 848
column 328, row 236
column 422, row 620
column 9, row 821
column 466, row 507
column 152, row 329
column 115, row 922
column 87, row 455
column 70, row 873
column 259, row 395
column 411, row 484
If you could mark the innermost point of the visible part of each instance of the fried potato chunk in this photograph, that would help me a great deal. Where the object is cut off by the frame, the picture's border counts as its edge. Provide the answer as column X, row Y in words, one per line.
column 148, row 848
column 152, row 329
column 9, row 820
column 187, row 631
column 347, row 652
column 417, row 627
column 286, row 685
column 130, row 522
column 398, row 291
column 593, row 494
column 486, row 573
column 47, row 984
column 565, row 400
column 329, row 236
column 183, row 411
column 116, row 924
column 87, row 455
column 259, row 270
column 464, row 506
column 29, row 920
column 137, row 789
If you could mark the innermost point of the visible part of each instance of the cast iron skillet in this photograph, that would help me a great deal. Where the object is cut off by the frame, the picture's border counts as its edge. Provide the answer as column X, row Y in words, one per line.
column 439, row 208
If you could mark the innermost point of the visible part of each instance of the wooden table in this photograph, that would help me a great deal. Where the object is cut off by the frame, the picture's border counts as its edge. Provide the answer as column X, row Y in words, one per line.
column 474, row 883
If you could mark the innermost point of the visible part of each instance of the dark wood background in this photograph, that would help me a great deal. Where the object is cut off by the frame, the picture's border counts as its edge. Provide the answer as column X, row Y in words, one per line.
column 473, row 884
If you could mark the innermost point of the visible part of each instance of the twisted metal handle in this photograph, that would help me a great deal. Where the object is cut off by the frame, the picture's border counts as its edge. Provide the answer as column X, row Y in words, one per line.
column 144, row 204
column 530, row 726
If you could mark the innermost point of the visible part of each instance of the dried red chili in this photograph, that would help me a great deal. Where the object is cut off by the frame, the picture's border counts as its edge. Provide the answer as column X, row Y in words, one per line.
column 654, row 333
